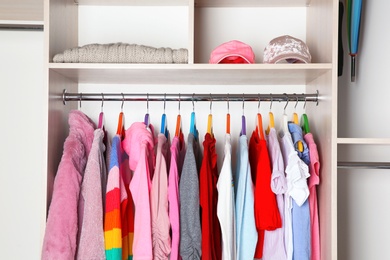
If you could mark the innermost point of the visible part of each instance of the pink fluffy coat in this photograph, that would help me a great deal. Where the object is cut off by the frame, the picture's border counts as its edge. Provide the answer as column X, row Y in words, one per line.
column 60, row 241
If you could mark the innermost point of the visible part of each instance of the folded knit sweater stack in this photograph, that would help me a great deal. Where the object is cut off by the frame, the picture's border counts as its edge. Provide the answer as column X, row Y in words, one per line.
column 121, row 53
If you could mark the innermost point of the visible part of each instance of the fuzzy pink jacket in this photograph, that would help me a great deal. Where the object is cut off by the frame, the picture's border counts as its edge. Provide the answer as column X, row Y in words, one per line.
column 60, row 239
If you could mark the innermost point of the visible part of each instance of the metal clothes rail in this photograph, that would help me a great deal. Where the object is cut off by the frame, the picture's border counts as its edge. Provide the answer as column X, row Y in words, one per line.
column 363, row 165
column 195, row 97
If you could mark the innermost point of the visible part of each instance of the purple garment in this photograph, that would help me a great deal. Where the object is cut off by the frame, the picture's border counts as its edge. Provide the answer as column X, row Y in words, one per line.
column 62, row 223
column 274, row 245
column 91, row 244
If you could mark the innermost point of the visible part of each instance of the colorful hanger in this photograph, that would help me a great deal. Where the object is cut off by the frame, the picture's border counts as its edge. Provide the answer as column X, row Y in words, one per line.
column 101, row 115
column 164, row 128
column 178, row 122
column 243, row 120
column 146, row 118
column 296, row 121
column 193, row 129
column 120, row 129
column 210, row 119
column 259, row 122
column 285, row 119
column 305, row 121
column 271, row 123
column 228, row 117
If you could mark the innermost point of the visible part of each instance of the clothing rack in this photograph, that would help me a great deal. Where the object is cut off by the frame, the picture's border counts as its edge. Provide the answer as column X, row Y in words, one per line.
column 363, row 165
column 189, row 97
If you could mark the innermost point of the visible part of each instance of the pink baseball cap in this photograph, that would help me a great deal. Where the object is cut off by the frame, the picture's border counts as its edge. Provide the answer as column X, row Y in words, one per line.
column 232, row 50
column 286, row 49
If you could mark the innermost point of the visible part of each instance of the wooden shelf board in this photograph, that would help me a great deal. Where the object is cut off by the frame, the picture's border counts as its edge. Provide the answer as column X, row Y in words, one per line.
column 193, row 74
column 134, row 2
column 251, row 3
column 368, row 141
column 199, row 3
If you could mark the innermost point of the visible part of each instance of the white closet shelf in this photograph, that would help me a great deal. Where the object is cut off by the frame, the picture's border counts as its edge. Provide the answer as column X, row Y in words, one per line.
column 198, row 3
column 193, row 74
column 367, row 141
column 251, row 3
column 134, row 2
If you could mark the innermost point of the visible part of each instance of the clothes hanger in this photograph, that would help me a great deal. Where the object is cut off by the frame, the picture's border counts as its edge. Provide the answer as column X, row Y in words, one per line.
column 146, row 118
column 259, row 122
column 243, row 121
column 120, row 129
column 164, row 128
column 193, row 129
column 228, row 117
column 210, row 119
column 305, row 121
column 101, row 115
column 285, row 118
column 296, row 121
column 271, row 123
column 178, row 122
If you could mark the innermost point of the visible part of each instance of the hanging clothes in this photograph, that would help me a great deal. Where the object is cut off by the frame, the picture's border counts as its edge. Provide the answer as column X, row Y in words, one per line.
column 116, row 201
column 267, row 214
column 177, row 157
column 139, row 145
column 296, row 173
column 274, row 246
column 127, row 210
column 91, row 244
column 246, row 236
column 60, row 240
column 314, row 180
column 211, row 229
column 226, row 205
column 300, row 211
column 159, row 202
column 190, row 229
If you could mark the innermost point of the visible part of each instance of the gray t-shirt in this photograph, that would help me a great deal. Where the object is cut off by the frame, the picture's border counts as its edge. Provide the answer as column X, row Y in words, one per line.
column 190, row 229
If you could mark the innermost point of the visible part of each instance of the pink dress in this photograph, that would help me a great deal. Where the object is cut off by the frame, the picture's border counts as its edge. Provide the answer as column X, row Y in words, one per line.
column 177, row 157
column 314, row 179
column 139, row 145
column 159, row 203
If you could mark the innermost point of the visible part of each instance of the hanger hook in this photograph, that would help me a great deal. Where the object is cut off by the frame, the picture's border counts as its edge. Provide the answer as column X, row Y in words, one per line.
column 193, row 105
column 228, row 105
column 243, row 102
column 81, row 97
column 147, row 103
column 296, row 103
column 165, row 101
column 123, row 101
column 287, row 100
column 304, row 104
column 102, row 102
column 258, row 105
column 179, row 103
column 211, row 103
column 272, row 100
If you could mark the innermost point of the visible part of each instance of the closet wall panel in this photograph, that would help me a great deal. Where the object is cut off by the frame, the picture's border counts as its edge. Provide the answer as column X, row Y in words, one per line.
column 23, row 160
column 363, row 198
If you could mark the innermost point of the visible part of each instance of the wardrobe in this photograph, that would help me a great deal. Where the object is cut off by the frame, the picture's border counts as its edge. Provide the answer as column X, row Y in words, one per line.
column 199, row 26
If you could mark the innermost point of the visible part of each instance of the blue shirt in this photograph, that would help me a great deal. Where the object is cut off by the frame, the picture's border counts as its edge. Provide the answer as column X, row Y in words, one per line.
column 300, row 214
column 246, row 234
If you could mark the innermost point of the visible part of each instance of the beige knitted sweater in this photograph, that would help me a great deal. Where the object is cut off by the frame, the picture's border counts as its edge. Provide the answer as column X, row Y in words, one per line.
column 121, row 53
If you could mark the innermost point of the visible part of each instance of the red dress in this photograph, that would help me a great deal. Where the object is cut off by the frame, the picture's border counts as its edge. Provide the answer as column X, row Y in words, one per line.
column 267, row 216
column 211, row 229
